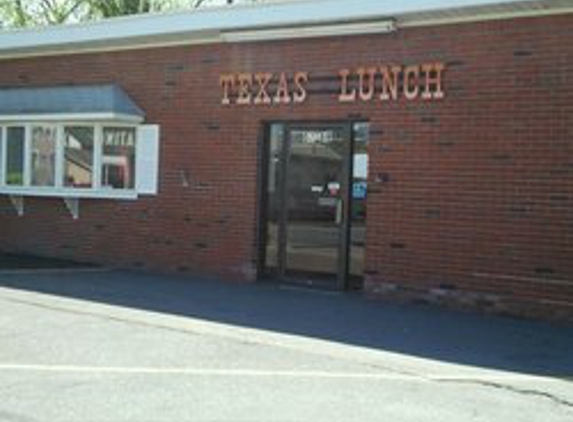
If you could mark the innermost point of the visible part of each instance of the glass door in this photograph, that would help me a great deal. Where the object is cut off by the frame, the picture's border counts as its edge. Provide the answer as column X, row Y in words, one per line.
column 307, row 236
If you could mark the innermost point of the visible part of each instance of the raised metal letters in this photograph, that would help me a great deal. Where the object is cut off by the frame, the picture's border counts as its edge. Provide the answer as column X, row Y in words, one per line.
column 365, row 84
column 263, row 88
column 394, row 82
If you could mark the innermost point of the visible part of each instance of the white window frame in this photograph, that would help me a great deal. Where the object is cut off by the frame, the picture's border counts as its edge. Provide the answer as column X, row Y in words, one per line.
column 100, row 156
column 2, row 154
column 59, row 189
column 28, row 154
column 62, row 127
column 4, row 165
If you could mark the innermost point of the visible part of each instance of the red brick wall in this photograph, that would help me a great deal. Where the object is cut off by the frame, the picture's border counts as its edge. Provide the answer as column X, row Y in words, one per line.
column 478, row 207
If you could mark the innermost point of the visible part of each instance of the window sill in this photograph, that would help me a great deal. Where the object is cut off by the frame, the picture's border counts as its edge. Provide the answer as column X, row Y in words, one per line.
column 69, row 193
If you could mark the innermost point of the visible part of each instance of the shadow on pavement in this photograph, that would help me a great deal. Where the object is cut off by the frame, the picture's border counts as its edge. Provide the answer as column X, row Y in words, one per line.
column 12, row 261
column 464, row 338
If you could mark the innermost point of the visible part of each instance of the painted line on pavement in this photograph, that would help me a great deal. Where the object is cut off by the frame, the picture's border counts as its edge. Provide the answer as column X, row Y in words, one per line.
column 195, row 371
column 273, row 373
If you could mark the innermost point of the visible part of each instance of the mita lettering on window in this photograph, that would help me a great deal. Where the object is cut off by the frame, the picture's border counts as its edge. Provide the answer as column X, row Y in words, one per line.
column 365, row 84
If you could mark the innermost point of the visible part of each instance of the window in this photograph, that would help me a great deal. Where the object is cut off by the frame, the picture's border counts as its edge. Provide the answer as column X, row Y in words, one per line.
column 14, row 174
column 43, row 155
column 118, row 159
column 62, row 159
column 2, row 153
column 79, row 156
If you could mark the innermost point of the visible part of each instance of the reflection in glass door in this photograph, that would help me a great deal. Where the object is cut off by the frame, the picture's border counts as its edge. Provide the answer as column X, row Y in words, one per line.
column 274, row 190
column 310, row 203
column 316, row 191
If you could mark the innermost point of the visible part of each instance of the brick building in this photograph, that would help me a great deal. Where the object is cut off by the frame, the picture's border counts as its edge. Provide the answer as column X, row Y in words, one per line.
column 413, row 154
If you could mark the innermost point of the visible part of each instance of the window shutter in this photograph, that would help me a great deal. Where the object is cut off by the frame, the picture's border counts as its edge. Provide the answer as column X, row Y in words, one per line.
column 147, row 156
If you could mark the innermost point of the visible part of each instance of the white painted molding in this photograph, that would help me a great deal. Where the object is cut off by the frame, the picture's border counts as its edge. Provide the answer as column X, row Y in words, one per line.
column 50, row 192
column 382, row 27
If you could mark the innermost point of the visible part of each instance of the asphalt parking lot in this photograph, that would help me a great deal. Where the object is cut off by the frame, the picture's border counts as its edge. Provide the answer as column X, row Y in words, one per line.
column 97, row 345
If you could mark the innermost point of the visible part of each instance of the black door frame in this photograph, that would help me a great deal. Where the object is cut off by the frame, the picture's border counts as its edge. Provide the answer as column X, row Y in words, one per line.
column 342, row 279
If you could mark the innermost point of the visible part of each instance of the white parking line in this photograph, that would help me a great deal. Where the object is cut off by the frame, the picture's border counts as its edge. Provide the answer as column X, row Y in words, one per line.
column 194, row 371
column 272, row 373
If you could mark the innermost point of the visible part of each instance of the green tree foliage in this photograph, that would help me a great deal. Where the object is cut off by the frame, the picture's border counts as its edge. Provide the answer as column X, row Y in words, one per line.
column 21, row 13
column 26, row 13
column 111, row 8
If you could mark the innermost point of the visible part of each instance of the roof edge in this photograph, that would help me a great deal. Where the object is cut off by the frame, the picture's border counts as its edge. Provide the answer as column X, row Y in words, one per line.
column 482, row 13
column 89, row 37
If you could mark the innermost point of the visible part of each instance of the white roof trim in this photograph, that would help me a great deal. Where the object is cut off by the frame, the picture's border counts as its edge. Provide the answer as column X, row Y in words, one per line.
column 521, row 9
column 210, row 24
column 71, row 117
column 381, row 27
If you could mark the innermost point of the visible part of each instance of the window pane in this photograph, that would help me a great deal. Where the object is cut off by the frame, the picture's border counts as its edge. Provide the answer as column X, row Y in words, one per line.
column 43, row 155
column 118, row 161
column 1, row 153
column 15, row 156
column 274, row 200
column 78, row 156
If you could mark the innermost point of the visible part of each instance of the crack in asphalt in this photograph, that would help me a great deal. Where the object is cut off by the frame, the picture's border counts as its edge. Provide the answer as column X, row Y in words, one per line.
column 510, row 388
